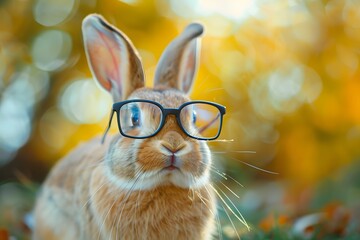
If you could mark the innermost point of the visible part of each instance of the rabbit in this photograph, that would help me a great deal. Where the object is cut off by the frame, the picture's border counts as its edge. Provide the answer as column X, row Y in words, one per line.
column 125, row 188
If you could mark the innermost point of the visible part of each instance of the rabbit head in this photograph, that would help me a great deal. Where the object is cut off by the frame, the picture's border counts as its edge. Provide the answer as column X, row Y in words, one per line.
column 170, row 156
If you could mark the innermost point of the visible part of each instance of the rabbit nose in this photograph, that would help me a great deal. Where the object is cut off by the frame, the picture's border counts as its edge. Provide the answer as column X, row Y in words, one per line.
column 173, row 141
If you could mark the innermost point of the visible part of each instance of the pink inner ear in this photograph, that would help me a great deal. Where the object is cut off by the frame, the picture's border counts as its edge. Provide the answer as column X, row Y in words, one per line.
column 104, row 62
column 189, row 71
column 188, row 66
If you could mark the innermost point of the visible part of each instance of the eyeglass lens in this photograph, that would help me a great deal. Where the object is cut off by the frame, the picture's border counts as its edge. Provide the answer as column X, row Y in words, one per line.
column 201, row 120
column 140, row 119
column 143, row 119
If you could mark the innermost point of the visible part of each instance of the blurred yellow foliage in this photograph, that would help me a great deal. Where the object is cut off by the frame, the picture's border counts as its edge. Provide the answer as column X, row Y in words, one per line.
column 287, row 71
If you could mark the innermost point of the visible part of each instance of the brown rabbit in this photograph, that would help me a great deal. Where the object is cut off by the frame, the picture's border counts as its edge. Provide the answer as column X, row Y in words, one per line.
column 152, row 180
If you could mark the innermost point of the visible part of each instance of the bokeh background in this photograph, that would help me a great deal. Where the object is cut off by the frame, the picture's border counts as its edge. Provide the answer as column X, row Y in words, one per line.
column 287, row 71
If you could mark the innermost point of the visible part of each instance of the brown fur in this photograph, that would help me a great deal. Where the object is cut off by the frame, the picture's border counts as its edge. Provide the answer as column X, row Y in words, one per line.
column 123, row 189
column 83, row 196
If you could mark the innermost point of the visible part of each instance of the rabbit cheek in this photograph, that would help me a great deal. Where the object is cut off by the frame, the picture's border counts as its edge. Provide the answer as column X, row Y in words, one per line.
column 196, row 162
column 121, row 156
column 148, row 159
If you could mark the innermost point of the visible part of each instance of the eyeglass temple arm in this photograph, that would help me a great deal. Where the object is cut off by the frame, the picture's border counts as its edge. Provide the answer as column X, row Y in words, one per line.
column 108, row 127
column 210, row 123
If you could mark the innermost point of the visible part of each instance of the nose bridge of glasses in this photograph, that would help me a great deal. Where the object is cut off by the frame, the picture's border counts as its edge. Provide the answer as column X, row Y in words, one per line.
column 172, row 111
column 171, row 121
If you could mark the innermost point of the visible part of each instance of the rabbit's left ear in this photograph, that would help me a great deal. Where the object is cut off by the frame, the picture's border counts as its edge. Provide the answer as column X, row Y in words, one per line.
column 179, row 62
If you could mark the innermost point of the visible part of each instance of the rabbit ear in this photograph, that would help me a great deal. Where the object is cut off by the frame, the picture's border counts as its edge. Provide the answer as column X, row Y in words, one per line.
column 178, row 64
column 113, row 60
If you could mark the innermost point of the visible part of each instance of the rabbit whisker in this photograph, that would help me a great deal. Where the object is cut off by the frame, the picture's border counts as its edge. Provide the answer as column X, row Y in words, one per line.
column 255, row 167
column 225, row 176
column 92, row 195
column 231, row 221
column 205, row 202
column 221, row 140
column 229, row 190
column 214, row 169
column 241, row 151
column 237, row 182
column 237, row 210
column 191, row 193
column 227, row 214
column 222, row 174
column 218, row 223
column 202, row 199
column 240, row 216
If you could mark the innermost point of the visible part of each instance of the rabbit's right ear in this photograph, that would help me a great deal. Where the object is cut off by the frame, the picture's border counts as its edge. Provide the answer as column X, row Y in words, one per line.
column 113, row 60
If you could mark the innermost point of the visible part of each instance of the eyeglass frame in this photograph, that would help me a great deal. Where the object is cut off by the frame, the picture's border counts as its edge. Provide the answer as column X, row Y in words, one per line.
column 165, row 112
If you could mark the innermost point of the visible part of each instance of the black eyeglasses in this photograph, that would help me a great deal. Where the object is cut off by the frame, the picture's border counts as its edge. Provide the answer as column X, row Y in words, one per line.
column 140, row 119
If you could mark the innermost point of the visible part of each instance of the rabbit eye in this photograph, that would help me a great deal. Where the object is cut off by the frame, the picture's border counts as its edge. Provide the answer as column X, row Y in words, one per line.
column 194, row 116
column 135, row 116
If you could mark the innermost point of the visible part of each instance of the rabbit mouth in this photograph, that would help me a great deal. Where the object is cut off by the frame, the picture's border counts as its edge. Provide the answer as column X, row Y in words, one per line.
column 171, row 168
column 173, row 163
